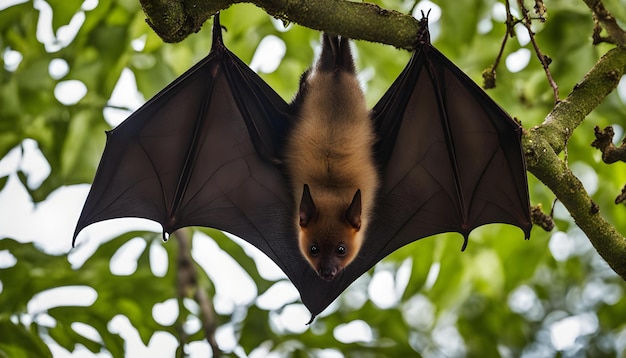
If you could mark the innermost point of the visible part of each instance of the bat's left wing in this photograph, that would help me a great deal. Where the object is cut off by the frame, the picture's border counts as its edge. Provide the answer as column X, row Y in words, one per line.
column 203, row 152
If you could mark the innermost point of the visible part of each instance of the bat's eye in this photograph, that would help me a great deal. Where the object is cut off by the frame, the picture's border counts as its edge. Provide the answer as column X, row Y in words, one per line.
column 341, row 250
column 314, row 250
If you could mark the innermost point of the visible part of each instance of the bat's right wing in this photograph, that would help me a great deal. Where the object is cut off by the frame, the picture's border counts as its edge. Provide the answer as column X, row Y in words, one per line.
column 452, row 157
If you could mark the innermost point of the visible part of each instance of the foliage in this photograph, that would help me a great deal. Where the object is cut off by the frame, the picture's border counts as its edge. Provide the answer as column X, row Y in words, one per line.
column 503, row 296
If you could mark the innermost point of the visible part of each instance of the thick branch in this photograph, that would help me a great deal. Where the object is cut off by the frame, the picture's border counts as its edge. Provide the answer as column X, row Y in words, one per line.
column 543, row 143
column 569, row 113
column 544, row 163
column 173, row 20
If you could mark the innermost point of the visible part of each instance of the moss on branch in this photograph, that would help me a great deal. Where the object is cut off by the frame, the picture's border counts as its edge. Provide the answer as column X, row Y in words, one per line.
column 569, row 113
column 543, row 143
column 174, row 20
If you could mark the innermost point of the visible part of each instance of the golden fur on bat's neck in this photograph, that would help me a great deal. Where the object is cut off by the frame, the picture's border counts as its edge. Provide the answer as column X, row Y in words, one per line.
column 330, row 148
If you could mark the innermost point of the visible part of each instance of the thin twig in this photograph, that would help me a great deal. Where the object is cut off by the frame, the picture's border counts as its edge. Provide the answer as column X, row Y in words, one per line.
column 546, row 222
column 188, row 287
column 540, row 10
column 183, row 276
column 510, row 20
column 621, row 197
column 415, row 2
column 121, row 108
column 597, row 33
column 601, row 15
column 545, row 60
column 489, row 75
column 604, row 142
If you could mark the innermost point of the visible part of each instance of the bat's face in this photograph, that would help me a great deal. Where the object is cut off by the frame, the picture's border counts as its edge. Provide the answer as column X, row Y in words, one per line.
column 330, row 232
column 329, row 249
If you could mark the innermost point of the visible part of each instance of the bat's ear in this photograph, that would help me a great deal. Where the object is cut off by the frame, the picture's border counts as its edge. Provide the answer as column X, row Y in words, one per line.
column 307, row 207
column 353, row 214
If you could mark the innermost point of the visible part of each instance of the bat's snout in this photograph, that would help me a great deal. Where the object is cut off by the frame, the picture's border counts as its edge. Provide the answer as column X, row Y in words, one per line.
column 327, row 273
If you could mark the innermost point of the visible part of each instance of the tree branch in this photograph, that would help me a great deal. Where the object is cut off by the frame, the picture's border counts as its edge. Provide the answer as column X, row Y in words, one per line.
column 604, row 17
column 604, row 142
column 188, row 287
column 540, row 219
column 545, row 60
column 489, row 74
column 621, row 197
column 544, row 163
column 569, row 113
column 174, row 20
column 543, row 143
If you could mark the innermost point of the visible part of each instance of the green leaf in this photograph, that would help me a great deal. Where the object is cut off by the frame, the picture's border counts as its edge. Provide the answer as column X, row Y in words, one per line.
column 16, row 342
column 3, row 181
column 63, row 11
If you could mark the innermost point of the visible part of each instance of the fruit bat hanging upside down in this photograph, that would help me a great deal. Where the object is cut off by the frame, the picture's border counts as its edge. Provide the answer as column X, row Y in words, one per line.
column 323, row 186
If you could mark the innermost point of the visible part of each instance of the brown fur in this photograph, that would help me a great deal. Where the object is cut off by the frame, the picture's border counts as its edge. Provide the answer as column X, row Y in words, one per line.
column 330, row 150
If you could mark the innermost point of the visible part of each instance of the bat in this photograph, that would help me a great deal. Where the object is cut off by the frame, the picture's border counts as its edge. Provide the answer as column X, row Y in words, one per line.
column 329, row 159
column 219, row 148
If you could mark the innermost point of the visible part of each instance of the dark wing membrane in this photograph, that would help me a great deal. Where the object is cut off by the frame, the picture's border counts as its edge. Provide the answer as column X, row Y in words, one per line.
column 451, row 157
column 486, row 143
column 145, row 155
column 451, row 160
column 201, row 153
column 204, row 152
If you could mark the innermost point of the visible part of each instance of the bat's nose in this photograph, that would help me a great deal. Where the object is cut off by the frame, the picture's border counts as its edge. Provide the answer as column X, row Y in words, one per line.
column 327, row 273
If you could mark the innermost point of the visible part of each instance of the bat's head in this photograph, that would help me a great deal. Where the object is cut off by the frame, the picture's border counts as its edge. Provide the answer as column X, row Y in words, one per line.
column 330, row 232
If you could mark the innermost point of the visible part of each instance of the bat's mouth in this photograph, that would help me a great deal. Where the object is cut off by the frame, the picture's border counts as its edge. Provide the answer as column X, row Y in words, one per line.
column 327, row 273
